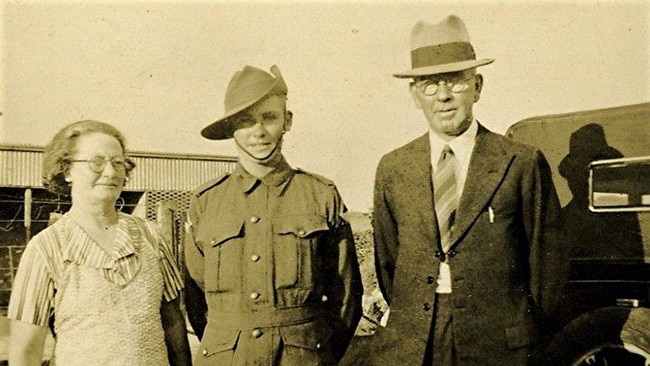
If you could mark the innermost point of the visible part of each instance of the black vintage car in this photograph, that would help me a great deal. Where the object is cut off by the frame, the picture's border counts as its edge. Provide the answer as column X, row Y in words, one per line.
column 600, row 161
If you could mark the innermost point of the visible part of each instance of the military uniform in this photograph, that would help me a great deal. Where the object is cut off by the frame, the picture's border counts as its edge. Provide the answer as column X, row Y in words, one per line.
column 277, row 263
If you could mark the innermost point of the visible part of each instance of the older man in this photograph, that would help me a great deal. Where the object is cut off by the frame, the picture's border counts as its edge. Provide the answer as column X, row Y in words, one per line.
column 268, row 244
column 462, row 218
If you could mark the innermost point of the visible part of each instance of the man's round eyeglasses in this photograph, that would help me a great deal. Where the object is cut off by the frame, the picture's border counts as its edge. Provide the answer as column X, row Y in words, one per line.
column 431, row 87
column 98, row 163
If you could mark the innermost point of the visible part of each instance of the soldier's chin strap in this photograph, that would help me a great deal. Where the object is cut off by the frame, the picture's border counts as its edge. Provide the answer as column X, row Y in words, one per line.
column 263, row 160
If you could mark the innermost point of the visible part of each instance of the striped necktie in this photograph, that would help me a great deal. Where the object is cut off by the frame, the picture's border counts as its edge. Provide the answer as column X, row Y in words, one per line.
column 445, row 195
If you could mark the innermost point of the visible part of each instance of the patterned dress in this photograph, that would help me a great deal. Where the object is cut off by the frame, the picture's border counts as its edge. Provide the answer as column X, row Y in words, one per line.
column 106, row 307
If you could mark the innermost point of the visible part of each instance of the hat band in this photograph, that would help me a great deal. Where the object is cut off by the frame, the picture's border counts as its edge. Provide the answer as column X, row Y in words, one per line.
column 441, row 54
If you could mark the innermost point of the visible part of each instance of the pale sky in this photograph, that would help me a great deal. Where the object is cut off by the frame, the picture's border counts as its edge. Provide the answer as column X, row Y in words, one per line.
column 158, row 70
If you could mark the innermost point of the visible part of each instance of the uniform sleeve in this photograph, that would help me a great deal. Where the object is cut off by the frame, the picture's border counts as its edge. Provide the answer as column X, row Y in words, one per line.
column 32, row 295
column 193, row 253
column 195, row 303
column 345, row 290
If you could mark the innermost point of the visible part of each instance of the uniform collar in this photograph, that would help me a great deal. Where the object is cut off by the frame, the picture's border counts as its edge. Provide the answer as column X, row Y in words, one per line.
column 278, row 177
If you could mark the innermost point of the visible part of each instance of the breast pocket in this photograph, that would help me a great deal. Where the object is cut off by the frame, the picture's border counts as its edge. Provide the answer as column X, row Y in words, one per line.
column 296, row 247
column 503, row 205
column 221, row 242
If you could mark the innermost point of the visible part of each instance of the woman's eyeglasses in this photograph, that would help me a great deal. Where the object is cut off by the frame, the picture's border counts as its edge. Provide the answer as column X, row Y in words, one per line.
column 98, row 163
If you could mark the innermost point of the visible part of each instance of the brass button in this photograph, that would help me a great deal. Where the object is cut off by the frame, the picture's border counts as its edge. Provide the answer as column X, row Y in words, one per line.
column 324, row 298
column 302, row 232
column 319, row 346
column 255, row 257
column 204, row 352
column 257, row 333
column 451, row 253
column 426, row 306
column 255, row 295
column 213, row 242
column 430, row 280
column 255, row 219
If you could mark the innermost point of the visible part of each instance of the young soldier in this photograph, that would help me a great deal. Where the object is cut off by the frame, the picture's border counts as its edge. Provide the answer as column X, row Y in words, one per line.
column 268, row 245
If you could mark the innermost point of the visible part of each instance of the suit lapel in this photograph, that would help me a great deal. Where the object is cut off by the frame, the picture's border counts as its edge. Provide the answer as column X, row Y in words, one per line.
column 488, row 166
column 420, row 164
column 420, row 185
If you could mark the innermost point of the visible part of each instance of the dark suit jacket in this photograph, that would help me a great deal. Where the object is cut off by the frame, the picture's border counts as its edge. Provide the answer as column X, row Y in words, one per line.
column 503, row 278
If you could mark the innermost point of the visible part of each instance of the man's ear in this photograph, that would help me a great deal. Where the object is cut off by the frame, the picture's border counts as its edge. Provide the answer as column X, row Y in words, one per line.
column 288, row 120
column 414, row 93
column 478, row 85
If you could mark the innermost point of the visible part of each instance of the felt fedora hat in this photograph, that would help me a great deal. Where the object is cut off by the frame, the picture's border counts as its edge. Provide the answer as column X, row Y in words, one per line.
column 247, row 87
column 440, row 48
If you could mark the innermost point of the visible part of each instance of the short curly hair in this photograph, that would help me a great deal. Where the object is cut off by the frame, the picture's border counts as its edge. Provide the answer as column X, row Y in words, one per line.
column 60, row 151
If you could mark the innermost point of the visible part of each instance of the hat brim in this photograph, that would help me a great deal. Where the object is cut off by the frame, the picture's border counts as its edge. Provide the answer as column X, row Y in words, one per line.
column 221, row 129
column 444, row 68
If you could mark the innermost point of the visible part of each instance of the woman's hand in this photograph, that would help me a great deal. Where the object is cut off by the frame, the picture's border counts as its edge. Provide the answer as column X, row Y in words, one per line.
column 27, row 343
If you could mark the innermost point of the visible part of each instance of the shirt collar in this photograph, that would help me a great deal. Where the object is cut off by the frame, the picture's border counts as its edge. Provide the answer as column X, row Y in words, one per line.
column 79, row 248
column 278, row 177
column 461, row 145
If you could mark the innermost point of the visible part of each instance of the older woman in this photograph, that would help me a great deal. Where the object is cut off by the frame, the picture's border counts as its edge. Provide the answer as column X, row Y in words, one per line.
column 109, row 278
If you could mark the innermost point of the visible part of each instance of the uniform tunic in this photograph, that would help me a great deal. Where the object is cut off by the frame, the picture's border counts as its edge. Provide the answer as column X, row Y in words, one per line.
column 107, row 308
column 278, row 266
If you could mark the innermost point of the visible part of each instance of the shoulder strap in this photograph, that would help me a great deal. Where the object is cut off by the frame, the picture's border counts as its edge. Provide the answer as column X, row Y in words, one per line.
column 209, row 184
